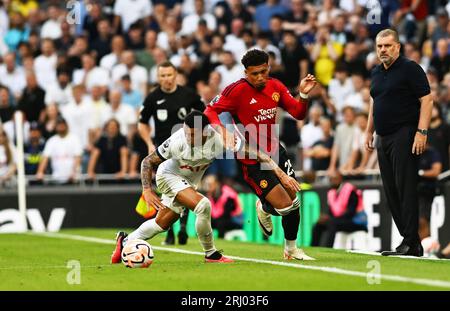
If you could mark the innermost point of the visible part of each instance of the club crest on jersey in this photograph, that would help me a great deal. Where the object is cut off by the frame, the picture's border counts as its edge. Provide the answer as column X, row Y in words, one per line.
column 276, row 96
column 263, row 183
column 215, row 100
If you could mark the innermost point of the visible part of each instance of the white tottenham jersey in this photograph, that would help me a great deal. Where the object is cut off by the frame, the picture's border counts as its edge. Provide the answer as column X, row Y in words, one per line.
column 184, row 160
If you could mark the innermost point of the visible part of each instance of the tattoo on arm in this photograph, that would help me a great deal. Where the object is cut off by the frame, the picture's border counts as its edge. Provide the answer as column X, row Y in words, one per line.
column 147, row 165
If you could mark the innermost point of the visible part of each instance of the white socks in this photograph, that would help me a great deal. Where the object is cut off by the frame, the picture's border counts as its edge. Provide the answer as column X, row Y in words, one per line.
column 203, row 226
column 290, row 245
column 145, row 231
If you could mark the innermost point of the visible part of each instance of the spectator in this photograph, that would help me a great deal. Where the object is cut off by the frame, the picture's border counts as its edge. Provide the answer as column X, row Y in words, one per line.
column 276, row 29
column 6, row 107
column 440, row 32
column 137, row 73
column 31, row 103
column 75, row 53
column 310, row 134
column 353, row 61
column 130, row 97
column 18, row 31
column 190, row 22
column 117, row 47
column 233, row 41
column 51, row 29
column 124, row 114
column 343, row 141
column 441, row 61
column 294, row 58
column 345, row 212
column 325, row 53
column 91, row 21
column 101, row 45
column 48, row 125
column 265, row 11
column 33, row 150
column 66, row 40
column 111, row 149
column 79, row 116
column 226, row 211
column 144, row 57
column 100, row 108
column 338, row 33
column 128, row 12
column 90, row 75
column 12, row 76
column 355, row 99
column 340, row 87
column 64, row 152
column 328, row 13
column 7, row 159
column 134, row 37
column 263, row 43
column 230, row 71
column 45, row 64
column 320, row 152
column 60, row 92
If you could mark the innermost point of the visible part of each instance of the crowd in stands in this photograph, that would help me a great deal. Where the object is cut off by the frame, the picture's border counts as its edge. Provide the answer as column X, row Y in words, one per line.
column 85, row 67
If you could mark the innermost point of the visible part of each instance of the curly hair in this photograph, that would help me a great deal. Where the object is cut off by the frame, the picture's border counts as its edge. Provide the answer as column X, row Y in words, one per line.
column 255, row 58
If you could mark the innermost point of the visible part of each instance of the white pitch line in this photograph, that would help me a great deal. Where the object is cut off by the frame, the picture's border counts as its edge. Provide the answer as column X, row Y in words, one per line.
column 394, row 278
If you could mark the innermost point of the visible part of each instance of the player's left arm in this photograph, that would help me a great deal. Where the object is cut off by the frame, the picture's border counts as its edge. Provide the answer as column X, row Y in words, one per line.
column 420, row 88
column 297, row 108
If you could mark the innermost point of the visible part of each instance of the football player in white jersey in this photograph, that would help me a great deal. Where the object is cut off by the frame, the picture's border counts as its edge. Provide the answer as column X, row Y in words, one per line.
column 183, row 159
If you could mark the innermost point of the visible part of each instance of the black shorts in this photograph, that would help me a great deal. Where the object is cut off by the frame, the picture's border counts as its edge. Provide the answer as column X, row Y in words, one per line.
column 263, row 181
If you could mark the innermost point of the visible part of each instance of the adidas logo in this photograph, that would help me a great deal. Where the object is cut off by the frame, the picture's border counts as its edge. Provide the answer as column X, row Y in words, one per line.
column 253, row 101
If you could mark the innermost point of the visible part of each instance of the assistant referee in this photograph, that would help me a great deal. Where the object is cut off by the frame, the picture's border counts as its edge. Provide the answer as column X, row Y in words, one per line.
column 168, row 104
column 400, row 115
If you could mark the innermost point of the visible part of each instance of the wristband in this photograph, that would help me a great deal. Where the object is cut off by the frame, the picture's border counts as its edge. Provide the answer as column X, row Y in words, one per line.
column 303, row 95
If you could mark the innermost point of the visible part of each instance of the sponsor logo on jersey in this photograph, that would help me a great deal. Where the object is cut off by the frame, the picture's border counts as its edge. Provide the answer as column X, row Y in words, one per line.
column 263, row 184
column 253, row 101
column 159, row 102
column 266, row 114
column 276, row 96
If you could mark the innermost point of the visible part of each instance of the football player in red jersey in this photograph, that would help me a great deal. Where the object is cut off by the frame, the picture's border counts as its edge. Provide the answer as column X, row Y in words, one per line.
column 253, row 103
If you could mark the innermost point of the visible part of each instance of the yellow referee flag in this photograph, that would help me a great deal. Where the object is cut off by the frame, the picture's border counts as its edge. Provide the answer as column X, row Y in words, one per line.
column 143, row 210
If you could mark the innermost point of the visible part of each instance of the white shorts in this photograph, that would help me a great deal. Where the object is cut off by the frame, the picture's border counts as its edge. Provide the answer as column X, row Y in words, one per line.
column 169, row 185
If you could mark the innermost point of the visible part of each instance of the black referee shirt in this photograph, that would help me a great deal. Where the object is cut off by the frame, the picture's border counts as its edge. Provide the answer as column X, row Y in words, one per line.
column 169, row 110
column 396, row 92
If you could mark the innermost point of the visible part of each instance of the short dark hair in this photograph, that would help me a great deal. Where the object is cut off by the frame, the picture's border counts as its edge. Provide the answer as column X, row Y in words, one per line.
column 193, row 118
column 255, row 58
column 166, row 64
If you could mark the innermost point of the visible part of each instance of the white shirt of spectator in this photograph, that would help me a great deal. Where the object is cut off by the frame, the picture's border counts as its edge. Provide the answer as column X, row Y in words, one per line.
column 355, row 100
column 79, row 118
column 15, row 81
column 270, row 48
column 235, row 45
column 229, row 75
column 57, row 95
column 359, row 139
column 4, row 166
column 51, row 29
column 344, row 140
column 62, row 152
column 138, row 75
column 45, row 69
column 109, row 61
column 100, row 108
column 185, row 162
column 338, row 93
column 131, row 11
column 310, row 134
column 190, row 23
column 124, row 114
column 96, row 76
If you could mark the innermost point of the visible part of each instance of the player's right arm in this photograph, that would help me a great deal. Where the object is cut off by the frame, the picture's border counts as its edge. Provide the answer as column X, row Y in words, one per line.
column 148, row 164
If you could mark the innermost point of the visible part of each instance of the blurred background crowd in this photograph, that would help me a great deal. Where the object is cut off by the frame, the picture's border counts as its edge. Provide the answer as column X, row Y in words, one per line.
column 85, row 68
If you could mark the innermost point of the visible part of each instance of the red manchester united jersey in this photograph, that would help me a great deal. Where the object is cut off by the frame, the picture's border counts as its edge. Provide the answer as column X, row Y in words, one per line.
column 256, row 111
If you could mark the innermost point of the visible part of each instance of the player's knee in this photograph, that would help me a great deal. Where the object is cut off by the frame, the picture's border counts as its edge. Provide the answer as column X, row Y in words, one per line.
column 287, row 209
column 203, row 207
column 164, row 226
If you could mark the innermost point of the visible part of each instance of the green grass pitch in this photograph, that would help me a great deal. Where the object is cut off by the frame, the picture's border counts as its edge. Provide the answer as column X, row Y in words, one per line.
column 39, row 262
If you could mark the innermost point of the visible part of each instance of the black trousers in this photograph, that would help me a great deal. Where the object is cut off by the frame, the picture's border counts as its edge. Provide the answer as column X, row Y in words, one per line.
column 399, row 172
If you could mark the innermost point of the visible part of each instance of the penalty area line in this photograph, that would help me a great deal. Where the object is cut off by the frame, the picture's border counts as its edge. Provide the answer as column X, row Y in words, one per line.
column 334, row 270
